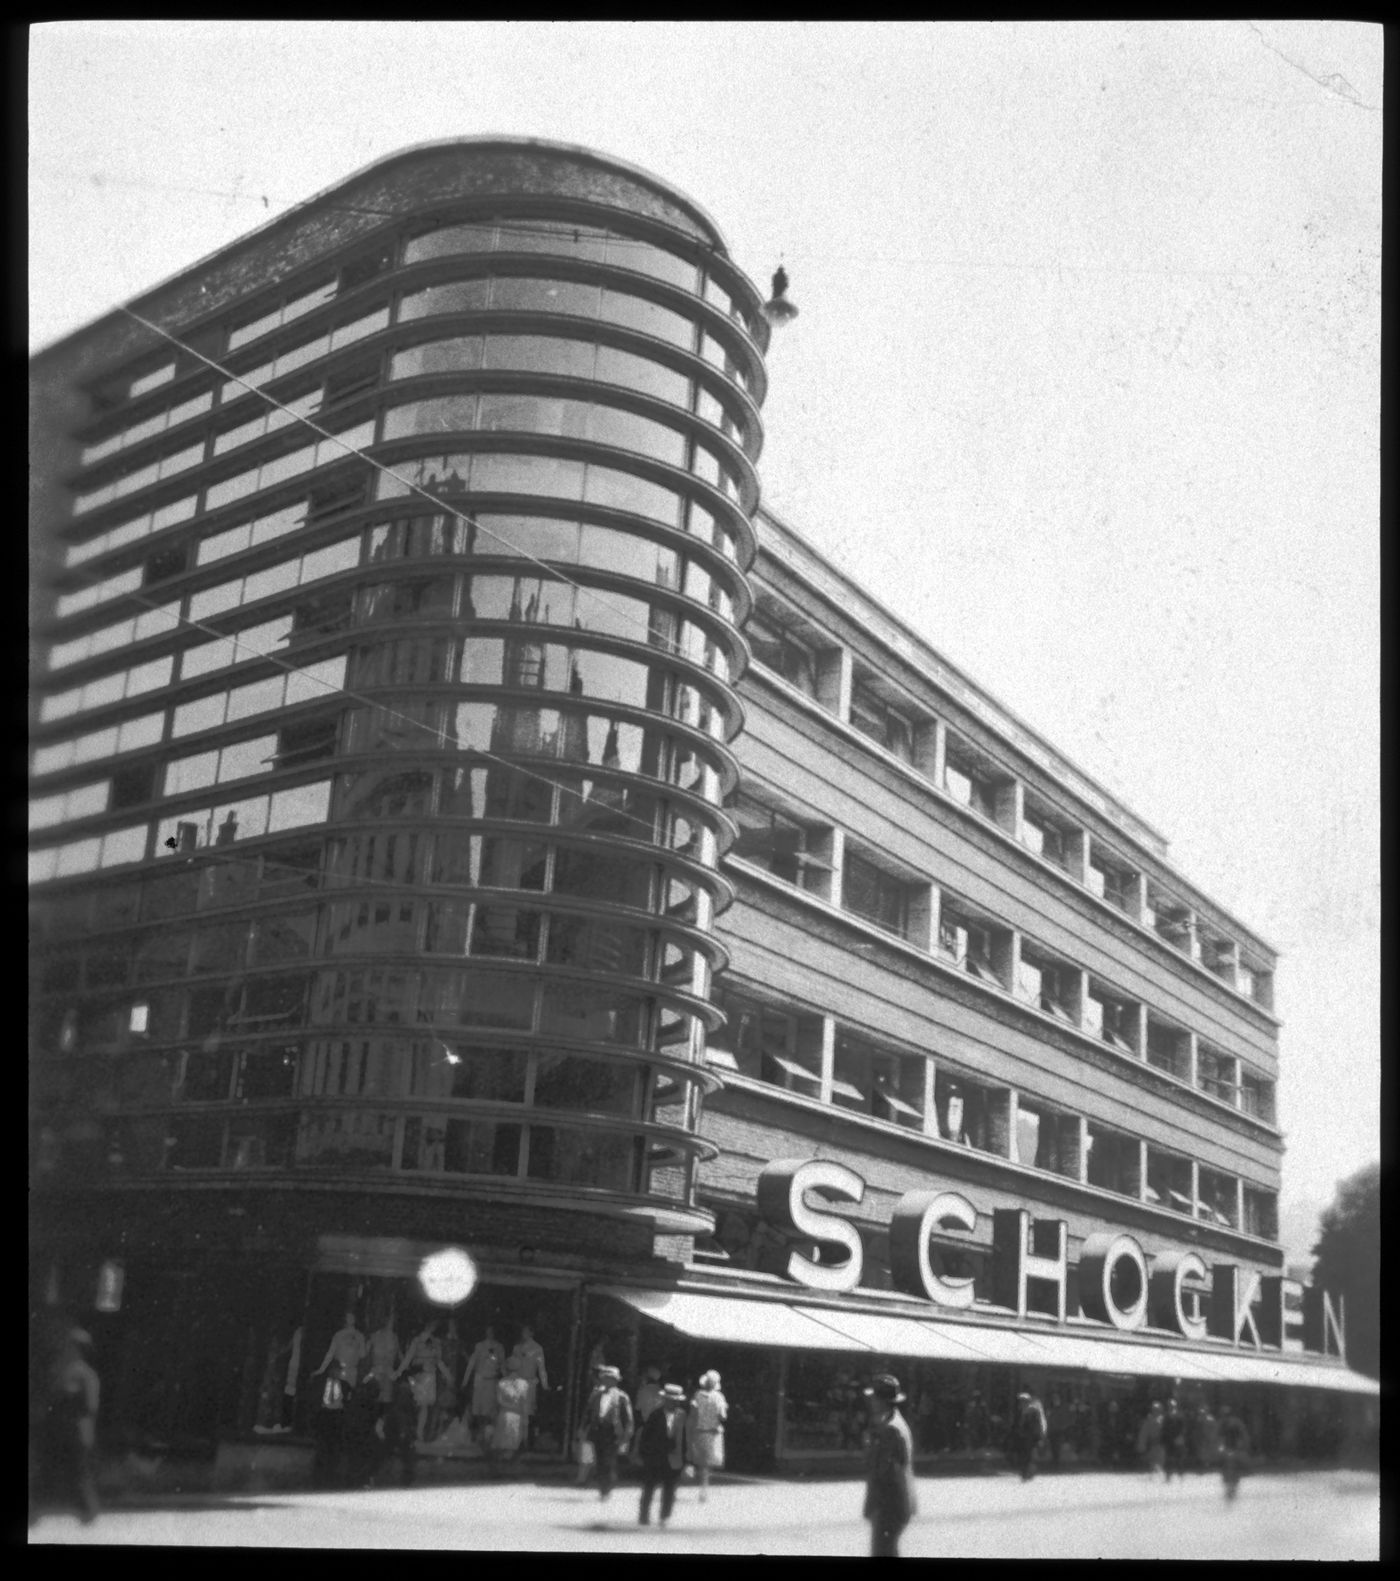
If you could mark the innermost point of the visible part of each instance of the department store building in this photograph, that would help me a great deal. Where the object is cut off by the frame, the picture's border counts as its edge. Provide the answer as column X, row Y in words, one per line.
column 461, row 816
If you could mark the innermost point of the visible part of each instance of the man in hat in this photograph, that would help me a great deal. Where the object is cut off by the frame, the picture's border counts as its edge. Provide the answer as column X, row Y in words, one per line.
column 890, row 1500
column 1029, row 1432
column 70, row 1426
column 661, row 1445
column 608, row 1419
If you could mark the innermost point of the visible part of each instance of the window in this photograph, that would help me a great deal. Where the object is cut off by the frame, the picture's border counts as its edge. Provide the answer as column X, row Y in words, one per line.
column 971, row 779
column 1112, row 880
column 1216, row 1073
column 1260, row 1213
column 784, row 654
column 1218, row 954
column 1169, row 918
column 873, row 893
column 966, row 1111
column 770, row 1043
column 1257, row 1095
column 784, row 847
column 1168, row 1048
column 1046, row 1139
column 1114, row 1161
column 130, row 531
column 1112, row 1019
column 873, row 717
column 1169, row 1181
column 973, row 942
column 1045, row 833
column 879, row 1083
column 1050, row 985
column 1218, row 1199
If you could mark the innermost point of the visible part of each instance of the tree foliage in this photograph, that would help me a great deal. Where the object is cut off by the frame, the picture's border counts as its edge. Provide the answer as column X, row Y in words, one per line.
column 1348, row 1253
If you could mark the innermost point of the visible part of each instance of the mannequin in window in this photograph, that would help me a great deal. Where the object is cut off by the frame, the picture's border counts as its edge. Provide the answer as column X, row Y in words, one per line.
column 529, row 1357
column 484, row 1368
column 424, row 1365
column 385, row 1354
column 348, row 1346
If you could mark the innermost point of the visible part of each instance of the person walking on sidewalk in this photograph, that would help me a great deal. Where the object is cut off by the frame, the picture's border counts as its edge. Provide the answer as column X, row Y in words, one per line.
column 705, row 1429
column 70, row 1425
column 609, row 1420
column 1149, row 1441
column 1234, row 1446
column 890, row 1500
column 1174, row 1428
column 661, row 1446
column 1028, row 1433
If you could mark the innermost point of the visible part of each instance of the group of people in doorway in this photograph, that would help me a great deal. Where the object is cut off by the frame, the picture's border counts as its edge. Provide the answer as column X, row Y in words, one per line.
column 374, row 1398
column 668, row 1434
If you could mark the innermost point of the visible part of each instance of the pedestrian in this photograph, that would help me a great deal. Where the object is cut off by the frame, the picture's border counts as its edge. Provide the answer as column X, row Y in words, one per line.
column 890, row 1500
column 1058, row 1420
column 1206, row 1439
column 1028, row 1433
column 364, row 1447
column 1149, row 1441
column 70, row 1425
column 609, row 1420
column 1174, row 1440
column 512, row 1411
column 330, row 1426
column 649, row 1395
column 398, row 1429
column 661, row 1447
column 705, row 1429
column 1234, row 1447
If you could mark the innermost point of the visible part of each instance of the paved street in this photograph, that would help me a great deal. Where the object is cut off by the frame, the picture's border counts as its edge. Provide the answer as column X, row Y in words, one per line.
column 1316, row 1515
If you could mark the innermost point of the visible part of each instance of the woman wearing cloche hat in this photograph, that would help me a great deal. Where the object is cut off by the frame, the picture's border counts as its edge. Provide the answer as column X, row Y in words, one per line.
column 705, row 1429
column 890, row 1501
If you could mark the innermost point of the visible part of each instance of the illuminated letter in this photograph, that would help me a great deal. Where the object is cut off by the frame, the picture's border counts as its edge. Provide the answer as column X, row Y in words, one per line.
column 1099, row 1258
column 1018, row 1256
column 782, row 1187
column 1231, row 1299
column 916, row 1215
column 1322, row 1321
column 1278, row 1322
column 1173, row 1274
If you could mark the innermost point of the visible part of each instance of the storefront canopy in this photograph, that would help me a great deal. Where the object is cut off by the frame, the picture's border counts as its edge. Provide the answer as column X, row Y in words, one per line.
column 793, row 1325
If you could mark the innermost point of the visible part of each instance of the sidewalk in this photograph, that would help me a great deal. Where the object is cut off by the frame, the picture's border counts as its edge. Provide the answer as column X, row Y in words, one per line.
column 1314, row 1515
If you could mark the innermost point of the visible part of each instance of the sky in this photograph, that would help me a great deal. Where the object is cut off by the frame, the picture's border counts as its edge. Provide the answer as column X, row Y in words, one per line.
column 1084, row 384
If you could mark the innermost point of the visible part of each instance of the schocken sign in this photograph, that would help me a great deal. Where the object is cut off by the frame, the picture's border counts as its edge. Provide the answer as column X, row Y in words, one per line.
column 1119, row 1284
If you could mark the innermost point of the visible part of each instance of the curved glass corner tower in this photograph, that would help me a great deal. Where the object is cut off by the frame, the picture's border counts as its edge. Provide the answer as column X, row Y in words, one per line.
column 400, row 863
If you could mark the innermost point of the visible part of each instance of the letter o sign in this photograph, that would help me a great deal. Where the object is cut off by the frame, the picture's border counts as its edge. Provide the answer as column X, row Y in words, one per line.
column 1113, row 1280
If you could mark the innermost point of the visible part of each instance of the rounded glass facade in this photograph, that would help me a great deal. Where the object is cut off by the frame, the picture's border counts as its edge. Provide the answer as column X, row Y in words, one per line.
column 453, row 919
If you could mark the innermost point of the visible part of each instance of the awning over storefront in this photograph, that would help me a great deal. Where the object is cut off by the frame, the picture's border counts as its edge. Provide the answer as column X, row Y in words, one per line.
column 730, row 1321
column 791, row 1325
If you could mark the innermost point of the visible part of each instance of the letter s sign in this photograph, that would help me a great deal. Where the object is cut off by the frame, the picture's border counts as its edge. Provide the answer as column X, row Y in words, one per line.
column 782, row 1189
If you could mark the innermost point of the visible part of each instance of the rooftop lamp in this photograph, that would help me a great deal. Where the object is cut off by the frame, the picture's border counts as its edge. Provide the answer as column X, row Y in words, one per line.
column 777, row 309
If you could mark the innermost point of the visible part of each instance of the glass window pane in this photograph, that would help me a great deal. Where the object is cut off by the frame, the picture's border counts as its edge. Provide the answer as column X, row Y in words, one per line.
column 202, row 714
column 303, row 804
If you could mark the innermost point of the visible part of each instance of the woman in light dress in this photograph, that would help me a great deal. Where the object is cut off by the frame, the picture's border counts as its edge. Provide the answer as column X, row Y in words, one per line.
column 705, row 1429
column 512, row 1413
